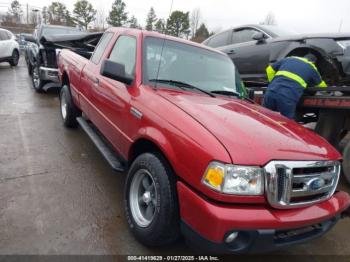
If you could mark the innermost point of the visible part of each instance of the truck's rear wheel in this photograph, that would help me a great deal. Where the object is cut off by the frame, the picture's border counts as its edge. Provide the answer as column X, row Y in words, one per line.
column 30, row 69
column 69, row 111
column 346, row 161
column 151, row 202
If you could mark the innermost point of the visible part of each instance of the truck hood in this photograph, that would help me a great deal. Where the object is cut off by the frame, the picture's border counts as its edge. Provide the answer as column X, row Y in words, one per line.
column 251, row 134
column 300, row 37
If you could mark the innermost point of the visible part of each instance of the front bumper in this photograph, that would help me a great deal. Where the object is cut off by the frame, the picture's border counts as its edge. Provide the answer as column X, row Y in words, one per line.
column 49, row 74
column 260, row 228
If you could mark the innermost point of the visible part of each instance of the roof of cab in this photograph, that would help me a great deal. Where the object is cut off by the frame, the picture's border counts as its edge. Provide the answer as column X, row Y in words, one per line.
column 146, row 33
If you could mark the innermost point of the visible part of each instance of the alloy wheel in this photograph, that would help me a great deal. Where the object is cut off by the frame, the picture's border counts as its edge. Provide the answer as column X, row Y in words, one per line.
column 36, row 78
column 143, row 198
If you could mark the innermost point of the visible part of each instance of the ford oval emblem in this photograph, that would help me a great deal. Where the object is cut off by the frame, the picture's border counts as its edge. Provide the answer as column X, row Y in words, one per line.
column 316, row 184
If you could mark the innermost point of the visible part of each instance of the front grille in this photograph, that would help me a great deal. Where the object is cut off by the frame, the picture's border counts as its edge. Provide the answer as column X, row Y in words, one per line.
column 300, row 183
column 48, row 58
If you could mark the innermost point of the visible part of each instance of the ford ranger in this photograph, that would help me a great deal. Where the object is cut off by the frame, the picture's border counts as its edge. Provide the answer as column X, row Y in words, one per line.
column 202, row 160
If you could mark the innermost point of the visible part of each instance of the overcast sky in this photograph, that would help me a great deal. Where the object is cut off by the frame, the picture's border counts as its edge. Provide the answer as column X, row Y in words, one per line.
column 299, row 15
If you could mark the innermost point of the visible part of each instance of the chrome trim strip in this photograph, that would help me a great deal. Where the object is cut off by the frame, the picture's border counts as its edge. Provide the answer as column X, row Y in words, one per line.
column 48, row 69
column 136, row 113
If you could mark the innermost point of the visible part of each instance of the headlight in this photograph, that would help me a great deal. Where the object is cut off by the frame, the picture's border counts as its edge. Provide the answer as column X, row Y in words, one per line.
column 344, row 44
column 235, row 180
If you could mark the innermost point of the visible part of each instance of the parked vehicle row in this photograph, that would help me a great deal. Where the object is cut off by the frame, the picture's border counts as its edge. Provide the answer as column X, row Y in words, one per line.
column 253, row 47
column 9, row 48
column 41, row 54
column 202, row 159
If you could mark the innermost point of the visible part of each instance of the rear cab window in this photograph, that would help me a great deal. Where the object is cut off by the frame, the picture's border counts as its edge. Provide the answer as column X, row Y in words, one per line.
column 101, row 47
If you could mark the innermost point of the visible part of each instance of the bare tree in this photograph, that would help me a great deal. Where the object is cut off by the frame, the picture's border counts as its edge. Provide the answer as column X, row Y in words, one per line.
column 33, row 18
column 100, row 19
column 270, row 19
column 15, row 12
column 194, row 20
column 45, row 15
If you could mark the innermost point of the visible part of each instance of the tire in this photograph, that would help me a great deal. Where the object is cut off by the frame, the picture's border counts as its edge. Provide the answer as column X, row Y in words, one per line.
column 69, row 112
column 15, row 58
column 37, row 82
column 150, row 201
column 30, row 69
column 346, row 161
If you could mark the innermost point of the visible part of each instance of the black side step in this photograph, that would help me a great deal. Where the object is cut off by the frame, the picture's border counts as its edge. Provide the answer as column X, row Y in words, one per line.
column 102, row 146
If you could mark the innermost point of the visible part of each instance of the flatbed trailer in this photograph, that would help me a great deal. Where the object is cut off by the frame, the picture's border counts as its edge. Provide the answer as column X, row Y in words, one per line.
column 329, row 109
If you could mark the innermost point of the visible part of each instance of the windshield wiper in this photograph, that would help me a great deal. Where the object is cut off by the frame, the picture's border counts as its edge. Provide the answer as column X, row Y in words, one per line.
column 232, row 93
column 226, row 93
column 181, row 85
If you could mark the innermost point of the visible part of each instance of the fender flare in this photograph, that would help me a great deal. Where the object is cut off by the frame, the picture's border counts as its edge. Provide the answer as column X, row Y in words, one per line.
column 157, row 138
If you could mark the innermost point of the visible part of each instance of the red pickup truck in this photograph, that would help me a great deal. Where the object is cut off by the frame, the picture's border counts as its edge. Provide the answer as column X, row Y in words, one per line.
column 202, row 159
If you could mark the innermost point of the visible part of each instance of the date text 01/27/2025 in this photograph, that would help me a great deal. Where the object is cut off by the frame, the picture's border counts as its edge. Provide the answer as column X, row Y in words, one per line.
column 173, row 258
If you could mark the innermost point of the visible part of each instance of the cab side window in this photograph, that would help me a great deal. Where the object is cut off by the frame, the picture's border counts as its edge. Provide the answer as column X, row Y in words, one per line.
column 124, row 52
column 244, row 35
column 220, row 39
column 101, row 47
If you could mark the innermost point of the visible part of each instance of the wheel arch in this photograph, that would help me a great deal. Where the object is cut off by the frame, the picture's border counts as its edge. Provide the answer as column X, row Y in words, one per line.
column 148, row 145
column 326, row 66
column 65, row 79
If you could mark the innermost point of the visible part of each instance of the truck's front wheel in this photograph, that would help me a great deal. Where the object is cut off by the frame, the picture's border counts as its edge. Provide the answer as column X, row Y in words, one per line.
column 37, row 82
column 151, row 201
column 69, row 111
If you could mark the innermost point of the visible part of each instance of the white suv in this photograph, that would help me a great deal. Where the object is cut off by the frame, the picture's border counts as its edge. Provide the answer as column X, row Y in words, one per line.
column 9, row 48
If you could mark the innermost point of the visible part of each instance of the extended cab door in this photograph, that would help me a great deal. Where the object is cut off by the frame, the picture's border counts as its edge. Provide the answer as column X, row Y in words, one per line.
column 90, row 76
column 250, row 56
column 111, row 98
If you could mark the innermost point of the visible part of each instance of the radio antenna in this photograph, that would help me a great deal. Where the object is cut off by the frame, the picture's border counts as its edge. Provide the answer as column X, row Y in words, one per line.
column 163, row 45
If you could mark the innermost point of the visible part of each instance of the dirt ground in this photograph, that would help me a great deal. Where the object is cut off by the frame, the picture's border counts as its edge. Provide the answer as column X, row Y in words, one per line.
column 59, row 196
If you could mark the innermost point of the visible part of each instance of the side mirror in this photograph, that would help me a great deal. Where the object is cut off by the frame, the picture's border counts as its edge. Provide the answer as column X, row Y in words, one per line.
column 259, row 36
column 29, row 38
column 115, row 71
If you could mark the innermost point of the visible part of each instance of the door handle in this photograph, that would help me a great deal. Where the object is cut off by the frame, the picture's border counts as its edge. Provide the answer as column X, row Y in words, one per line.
column 231, row 52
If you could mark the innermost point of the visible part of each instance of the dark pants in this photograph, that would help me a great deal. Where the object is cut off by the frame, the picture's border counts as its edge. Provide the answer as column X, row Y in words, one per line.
column 278, row 103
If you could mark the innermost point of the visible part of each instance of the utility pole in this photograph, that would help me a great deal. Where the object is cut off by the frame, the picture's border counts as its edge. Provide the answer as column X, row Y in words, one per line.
column 340, row 25
column 27, row 14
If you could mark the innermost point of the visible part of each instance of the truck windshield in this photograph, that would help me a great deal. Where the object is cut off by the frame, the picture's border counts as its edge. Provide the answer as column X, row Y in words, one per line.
column 195, row 66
